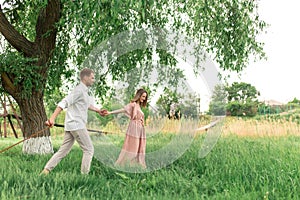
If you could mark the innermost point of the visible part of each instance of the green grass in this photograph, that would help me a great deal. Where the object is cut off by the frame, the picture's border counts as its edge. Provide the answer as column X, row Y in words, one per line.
column 237, row 168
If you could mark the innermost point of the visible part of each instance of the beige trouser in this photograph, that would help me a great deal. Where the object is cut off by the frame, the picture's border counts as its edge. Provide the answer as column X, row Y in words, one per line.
column 83, row 139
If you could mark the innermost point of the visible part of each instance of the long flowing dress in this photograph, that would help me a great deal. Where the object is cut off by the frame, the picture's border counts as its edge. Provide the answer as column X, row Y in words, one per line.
column 134, row 147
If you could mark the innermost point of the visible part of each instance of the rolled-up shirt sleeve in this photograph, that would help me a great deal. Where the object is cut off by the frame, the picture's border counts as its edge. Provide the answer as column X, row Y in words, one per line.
column 69, row 100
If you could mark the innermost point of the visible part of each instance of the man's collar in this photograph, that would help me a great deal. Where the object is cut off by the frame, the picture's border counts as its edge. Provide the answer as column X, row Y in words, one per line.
column 84, row 86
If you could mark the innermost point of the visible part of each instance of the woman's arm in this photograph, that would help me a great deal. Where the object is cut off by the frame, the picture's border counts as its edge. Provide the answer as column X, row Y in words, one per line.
column 126, row 109
column 122, row 110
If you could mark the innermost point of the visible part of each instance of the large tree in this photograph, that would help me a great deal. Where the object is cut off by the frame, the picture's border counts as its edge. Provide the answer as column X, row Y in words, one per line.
column 24, row 70
column 43, row 37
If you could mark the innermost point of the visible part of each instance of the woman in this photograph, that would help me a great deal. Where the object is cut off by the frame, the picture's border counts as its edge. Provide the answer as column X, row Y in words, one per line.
column 134, row 147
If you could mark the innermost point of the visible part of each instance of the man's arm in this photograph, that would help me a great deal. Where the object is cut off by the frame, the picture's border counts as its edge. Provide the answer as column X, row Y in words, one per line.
column 50, row 122
column 93, row 108
column 97, row 110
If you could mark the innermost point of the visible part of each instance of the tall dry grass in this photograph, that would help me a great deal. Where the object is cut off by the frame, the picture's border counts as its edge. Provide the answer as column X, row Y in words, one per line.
column 260, row 127
column 252, row 127
column 157, row 125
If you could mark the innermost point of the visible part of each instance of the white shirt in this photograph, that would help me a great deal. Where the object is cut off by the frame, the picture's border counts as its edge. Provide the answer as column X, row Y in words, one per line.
column 77, row 104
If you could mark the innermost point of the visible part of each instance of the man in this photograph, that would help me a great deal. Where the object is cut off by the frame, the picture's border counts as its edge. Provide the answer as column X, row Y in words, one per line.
column 78, row 104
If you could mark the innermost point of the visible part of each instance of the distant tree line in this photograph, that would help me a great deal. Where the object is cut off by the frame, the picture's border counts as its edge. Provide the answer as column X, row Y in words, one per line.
column 240, row 99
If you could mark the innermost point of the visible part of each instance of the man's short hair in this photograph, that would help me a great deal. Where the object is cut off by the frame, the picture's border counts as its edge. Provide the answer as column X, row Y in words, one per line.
column 85, row 72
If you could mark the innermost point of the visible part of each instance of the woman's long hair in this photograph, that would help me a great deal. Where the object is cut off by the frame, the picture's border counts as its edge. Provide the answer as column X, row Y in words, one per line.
column 138, row 95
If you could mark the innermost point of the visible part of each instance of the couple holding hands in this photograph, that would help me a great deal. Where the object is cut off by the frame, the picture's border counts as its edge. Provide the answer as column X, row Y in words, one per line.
column 77, row 102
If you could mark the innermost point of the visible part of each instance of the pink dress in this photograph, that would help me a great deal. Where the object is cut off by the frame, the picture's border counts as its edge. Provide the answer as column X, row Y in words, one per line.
column 134, row 147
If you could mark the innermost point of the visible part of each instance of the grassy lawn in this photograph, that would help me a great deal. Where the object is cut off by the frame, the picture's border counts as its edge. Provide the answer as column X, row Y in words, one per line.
column 237, row 168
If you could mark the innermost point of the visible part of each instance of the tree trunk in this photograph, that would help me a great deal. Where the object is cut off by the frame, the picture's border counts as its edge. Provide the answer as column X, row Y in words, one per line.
column 32, row 108
column 34, row 115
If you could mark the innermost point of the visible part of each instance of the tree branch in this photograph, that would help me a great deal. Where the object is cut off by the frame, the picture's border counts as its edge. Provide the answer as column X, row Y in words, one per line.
column 17, row 40
column 46, row 29
column 7, row 83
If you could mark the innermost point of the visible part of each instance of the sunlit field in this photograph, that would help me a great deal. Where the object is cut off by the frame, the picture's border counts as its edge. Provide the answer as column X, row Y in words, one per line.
column 263, row 126
column 255, row 158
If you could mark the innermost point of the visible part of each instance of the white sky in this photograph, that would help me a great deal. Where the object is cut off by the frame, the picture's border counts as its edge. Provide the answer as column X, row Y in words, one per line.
column 277, row 78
